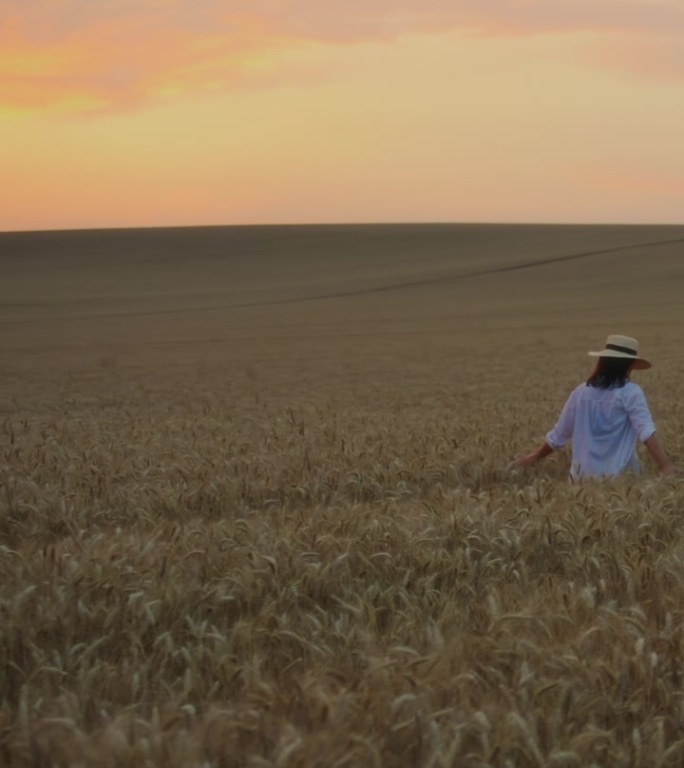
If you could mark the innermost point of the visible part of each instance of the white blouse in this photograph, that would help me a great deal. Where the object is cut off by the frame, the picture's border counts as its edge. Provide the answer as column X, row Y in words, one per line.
column 604, row 426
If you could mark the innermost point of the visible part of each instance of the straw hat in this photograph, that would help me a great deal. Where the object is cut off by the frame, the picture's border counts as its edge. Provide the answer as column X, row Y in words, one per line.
column 623, row 346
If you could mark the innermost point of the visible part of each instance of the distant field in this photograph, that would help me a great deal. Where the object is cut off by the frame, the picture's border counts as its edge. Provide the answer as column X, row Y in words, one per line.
column 255, row 506
column 89, row 293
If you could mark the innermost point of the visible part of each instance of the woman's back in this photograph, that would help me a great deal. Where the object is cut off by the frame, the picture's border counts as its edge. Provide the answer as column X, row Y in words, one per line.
column 604, row 425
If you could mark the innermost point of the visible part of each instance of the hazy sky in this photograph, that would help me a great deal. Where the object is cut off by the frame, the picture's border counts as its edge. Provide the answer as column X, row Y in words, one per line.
column 173, row 112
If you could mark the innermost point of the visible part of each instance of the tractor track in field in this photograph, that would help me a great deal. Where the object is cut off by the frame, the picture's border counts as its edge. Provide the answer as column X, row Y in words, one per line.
column 372, row 290
column 454, row 278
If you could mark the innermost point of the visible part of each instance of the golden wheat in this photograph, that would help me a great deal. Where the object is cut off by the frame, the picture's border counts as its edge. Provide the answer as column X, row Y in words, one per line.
column 312, row 553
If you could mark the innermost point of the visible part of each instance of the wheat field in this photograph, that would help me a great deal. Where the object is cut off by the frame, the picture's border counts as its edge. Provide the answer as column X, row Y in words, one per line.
column 256, row 510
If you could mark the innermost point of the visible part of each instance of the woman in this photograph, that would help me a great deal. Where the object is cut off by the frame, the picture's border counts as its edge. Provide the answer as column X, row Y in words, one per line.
column 605, row 417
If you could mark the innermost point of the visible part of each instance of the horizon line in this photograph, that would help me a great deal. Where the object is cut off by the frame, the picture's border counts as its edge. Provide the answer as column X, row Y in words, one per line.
column 333, row 224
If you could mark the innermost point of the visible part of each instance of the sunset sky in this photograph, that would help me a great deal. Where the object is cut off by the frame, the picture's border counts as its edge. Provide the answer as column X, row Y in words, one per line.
column 180, row 112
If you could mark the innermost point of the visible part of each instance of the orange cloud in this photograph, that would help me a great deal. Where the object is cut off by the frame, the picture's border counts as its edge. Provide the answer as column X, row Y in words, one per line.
column 67, row 54
column 126, row 61
column 642, row 57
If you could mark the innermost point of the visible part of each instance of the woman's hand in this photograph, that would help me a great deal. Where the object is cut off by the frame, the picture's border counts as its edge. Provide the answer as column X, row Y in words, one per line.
column 528, row 459
column 657, row 451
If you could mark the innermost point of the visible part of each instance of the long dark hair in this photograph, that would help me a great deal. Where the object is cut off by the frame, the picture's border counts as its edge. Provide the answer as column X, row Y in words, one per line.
column 610, row 373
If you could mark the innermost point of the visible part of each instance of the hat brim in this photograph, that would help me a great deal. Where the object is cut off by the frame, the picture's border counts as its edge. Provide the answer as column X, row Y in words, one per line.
column 640, row 364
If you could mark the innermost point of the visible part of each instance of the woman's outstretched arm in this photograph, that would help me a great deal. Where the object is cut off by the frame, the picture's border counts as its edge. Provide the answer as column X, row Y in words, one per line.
column 557, row 437
column 659, row 456
column 532, row 458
